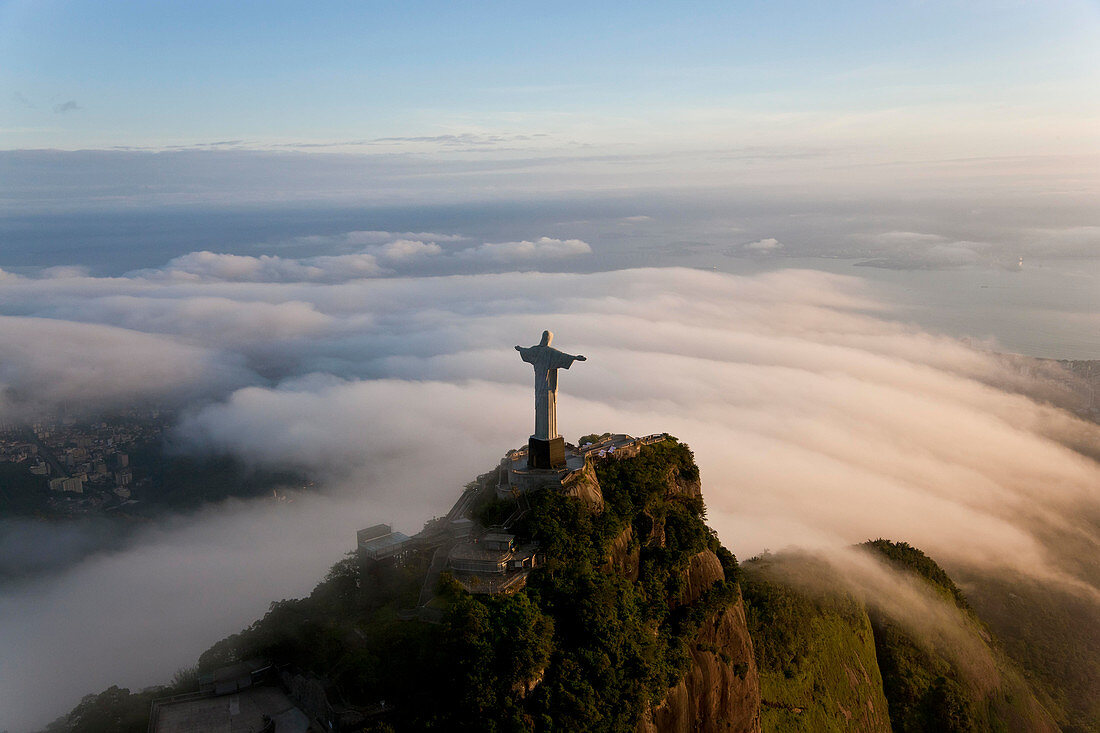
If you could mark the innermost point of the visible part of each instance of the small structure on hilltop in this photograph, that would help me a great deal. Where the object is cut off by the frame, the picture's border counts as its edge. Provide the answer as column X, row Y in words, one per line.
column 247, row 696
column 493, row 564
column 381, row 544
column 488, row 559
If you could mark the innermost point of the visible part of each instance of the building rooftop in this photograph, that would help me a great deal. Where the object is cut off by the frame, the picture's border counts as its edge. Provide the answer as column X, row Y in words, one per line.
column 241, row 712
column 383, row 544
column 489, row 585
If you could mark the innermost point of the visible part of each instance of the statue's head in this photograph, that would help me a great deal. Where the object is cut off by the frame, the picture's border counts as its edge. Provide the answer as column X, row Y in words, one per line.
column 547, row 337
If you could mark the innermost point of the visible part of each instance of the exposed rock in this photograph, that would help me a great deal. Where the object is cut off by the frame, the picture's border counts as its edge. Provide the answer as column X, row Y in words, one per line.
column 585, row 486
column 703, row 570
column 527, row 686
column 656, row 536
column 720, row 691
column 623, row 557
column 680, row 486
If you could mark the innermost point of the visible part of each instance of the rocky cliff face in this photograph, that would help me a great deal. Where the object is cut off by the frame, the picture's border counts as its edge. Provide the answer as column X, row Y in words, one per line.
column 720, row 691
column 586, row 487
column 704, row 569
column 683, row 486
column 625, row 556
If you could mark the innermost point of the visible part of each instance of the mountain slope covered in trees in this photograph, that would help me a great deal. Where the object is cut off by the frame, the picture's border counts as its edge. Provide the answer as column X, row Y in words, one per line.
column 638, row 620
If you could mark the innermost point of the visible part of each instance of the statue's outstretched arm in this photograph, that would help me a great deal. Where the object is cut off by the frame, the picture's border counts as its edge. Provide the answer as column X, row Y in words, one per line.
column 578, row 357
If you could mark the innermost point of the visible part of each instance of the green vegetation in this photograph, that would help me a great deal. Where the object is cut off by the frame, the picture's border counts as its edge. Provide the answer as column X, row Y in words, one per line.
column 925, row 683
column 904, row 556
column 494, row 512
column 579, row 649
column 815, row 654
column 489, row 511
column 117, row 710
column 924, row 689
column 114, row 709
column 827, row 662
column 583, row 647
column 344, row 631
column 619, row 645
column 1053, row 635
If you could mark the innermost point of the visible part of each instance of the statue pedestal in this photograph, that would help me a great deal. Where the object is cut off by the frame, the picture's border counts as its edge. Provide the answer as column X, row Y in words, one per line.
column 546, row 454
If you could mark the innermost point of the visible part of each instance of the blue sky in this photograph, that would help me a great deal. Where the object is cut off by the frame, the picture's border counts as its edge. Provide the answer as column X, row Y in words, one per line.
column 553, row 77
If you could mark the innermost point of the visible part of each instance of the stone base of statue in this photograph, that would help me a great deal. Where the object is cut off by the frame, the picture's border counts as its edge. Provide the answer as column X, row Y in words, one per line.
column 546, row 454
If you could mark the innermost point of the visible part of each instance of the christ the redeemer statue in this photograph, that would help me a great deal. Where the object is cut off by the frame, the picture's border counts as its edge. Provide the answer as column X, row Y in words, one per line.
column 546, row 449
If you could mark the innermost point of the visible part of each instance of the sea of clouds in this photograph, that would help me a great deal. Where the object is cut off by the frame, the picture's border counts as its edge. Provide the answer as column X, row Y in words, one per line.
column 817, row 421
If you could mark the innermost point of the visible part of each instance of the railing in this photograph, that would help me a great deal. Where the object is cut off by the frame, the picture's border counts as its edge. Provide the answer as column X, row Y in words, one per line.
column 154, row 706
column 439, row 561
column 523, row 505
column 493, row 585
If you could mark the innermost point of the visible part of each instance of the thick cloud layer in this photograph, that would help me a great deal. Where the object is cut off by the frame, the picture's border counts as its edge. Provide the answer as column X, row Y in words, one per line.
column 47, row 363
column 816, row 420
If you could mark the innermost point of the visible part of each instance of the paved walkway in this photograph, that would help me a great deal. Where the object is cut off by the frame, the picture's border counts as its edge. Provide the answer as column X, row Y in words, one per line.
column 439, row 561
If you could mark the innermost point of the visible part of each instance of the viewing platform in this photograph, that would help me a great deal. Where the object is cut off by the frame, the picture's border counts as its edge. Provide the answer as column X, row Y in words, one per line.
column 517, row 478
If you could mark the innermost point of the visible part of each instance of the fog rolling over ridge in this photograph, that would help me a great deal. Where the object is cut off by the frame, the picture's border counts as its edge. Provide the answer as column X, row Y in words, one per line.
column 839, row 250
column 817, row 421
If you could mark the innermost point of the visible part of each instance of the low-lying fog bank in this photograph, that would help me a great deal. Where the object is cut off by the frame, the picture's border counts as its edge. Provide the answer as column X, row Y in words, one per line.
column 817, row 422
